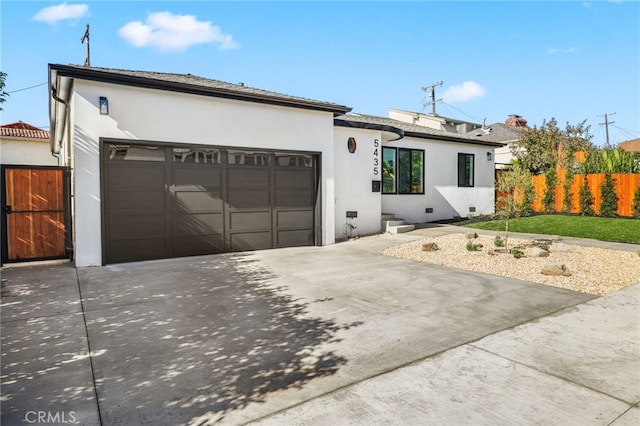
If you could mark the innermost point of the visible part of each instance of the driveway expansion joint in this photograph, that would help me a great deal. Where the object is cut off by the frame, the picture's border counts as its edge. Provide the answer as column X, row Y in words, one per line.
column 551, row 374
column 86, row 330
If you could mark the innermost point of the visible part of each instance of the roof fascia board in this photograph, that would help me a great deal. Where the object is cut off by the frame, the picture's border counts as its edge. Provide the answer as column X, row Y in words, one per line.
column 448, row 138
column 369, row 126
column 148, row 83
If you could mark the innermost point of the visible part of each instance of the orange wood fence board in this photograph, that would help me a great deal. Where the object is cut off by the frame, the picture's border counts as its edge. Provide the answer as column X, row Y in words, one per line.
column 625, row 187
column 36, row 225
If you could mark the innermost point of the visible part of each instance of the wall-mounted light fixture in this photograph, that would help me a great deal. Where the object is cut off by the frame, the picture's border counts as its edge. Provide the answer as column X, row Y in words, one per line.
column 104, row 105
column 351, row 145
column 489, row 155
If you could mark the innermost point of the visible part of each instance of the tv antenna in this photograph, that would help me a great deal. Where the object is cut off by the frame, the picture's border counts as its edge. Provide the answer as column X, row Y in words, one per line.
column 431, row 93
column 87, row 60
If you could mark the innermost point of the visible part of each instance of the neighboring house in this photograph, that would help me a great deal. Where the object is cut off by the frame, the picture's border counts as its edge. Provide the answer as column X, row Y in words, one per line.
column 632, row 145
column 506, row 134
column 24, row 144
column 436, row 122
column 167, row 165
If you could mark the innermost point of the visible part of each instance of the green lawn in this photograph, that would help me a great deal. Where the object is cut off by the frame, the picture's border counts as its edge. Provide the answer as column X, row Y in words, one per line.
column 598, row 228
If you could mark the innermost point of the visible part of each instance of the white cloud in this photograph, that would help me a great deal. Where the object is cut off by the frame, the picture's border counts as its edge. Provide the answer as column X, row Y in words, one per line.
column 53, row 14
column 555, row 50
column 587, row 4
column 463, row 92
column 167, row 31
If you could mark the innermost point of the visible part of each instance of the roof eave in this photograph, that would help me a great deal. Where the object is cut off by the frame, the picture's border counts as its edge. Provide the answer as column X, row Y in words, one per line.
column 149, row 83
column 448, row 138
column 369, row 126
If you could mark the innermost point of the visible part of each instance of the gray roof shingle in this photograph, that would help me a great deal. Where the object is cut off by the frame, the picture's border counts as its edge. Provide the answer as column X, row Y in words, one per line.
column 407, row 129
column 499, row 133
column 194, row 84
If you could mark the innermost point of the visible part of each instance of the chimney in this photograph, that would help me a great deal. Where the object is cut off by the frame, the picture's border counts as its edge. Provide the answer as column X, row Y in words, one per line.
column 515, row 121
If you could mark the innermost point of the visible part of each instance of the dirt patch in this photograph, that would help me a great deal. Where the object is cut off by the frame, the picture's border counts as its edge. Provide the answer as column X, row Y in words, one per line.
column 593, row 270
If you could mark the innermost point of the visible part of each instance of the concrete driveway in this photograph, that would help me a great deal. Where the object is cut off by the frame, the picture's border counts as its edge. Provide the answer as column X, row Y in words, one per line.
column 314, row 335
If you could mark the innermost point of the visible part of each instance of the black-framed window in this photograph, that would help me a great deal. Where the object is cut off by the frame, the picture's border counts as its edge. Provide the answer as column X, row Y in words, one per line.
column 389, row 162
column 402, row 171
column 466, row 169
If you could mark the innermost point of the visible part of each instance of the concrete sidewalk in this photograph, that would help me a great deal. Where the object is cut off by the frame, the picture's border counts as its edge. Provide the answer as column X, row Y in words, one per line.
column 313, row 335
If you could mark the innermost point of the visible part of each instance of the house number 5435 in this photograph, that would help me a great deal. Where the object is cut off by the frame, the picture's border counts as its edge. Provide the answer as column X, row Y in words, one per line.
column 376, row 160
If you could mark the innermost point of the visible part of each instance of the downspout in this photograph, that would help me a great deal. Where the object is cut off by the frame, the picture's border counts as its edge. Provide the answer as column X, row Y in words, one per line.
column 55, row 144
column 55, row 147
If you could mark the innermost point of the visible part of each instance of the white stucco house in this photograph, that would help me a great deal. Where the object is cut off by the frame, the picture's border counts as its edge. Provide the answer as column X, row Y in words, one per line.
column 166, row 165
column 24, row 144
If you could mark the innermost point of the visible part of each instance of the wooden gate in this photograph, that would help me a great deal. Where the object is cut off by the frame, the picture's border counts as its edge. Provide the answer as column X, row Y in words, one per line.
column 34, row 213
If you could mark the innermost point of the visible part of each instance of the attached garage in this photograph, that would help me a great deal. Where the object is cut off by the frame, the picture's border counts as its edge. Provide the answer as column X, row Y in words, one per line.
column 163, row 201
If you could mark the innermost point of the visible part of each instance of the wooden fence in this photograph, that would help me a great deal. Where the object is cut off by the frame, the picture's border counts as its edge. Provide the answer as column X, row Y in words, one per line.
column 625, row 186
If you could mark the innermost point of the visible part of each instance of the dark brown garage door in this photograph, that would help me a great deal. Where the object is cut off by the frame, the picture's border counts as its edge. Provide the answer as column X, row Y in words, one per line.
column 162, row 202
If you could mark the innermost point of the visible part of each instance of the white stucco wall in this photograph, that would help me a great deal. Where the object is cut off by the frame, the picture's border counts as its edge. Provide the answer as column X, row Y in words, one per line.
column 354, row 173
column 504, row 155
column 25, row 151
column 154, row 115
column 441, row 183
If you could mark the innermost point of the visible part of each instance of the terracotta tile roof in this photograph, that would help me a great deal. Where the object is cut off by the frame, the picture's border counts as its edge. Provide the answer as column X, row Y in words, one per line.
column 632, row 145
column 23, row 130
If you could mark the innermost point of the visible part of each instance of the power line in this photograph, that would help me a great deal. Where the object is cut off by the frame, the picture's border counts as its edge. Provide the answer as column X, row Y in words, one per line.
column 471, row 116
column 27, row 88
column 632, row 132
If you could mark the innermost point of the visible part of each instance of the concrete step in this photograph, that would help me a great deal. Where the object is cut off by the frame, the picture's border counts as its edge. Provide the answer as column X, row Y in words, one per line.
column 400, row 229
column 394, row 222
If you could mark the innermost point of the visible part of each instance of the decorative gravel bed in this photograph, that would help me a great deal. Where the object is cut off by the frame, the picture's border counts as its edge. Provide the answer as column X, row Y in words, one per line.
column 593, row 270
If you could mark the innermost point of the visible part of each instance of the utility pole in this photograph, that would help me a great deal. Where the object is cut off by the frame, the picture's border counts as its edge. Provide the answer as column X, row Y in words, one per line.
column 87, row 60
column 606, row 127
column 431, row 93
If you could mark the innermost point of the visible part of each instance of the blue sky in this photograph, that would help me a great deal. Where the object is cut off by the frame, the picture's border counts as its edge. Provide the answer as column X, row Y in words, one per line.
column 571, row 60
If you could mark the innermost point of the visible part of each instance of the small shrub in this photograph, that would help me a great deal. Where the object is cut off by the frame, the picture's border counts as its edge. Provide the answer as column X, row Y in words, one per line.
column 527, row 199
column 568, row 195
column 586, row 199
column 498, row 241
column 544, row 246
column 549, row 197
column 635, row 208
column 609, row 202
column 472, row 247
column 517, row 253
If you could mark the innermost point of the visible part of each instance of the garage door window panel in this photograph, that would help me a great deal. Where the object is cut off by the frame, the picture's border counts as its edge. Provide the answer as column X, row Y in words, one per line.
column 197, row 155
column 248, row 158
column 136, row 153
column 293, row 160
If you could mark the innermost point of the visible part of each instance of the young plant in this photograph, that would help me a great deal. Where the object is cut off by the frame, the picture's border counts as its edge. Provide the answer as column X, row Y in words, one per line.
column 517, row 253
column 609, row 198
column 635, row 208
column 513, row 185
column 498, row 241
column 586, row 199
column 472, row 247
column 568, row 195
column 549, row 196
